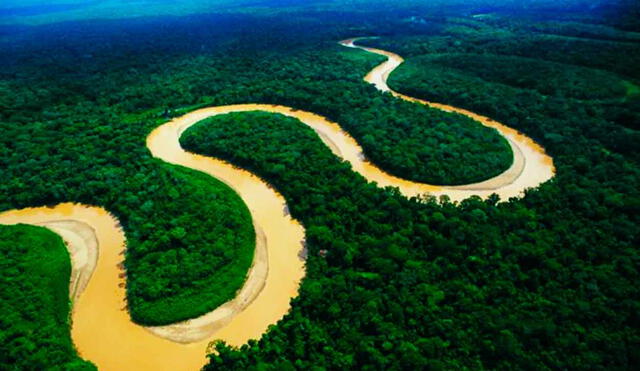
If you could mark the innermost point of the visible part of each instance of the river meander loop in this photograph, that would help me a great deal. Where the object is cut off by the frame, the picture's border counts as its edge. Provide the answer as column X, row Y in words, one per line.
column 102, row 330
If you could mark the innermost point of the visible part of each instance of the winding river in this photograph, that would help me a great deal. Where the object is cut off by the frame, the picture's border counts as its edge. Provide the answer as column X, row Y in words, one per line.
column 101, row 327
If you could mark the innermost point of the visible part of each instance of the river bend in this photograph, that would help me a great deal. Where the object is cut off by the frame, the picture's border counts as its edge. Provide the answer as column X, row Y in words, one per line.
column 101, row 327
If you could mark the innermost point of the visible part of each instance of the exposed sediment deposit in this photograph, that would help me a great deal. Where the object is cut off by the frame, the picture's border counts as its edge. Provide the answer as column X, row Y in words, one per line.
column 101, row 327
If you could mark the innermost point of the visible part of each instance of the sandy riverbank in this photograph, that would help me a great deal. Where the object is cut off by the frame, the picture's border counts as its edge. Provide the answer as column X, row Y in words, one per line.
column 531, row 165
column 102, row 330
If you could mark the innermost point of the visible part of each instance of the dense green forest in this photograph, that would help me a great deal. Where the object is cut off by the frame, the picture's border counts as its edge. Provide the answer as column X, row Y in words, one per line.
column 34, row 301
column 408, row 140
column 166, row 291
column 559, row 80
column 573, row 69
column 404, row 283
column 546, row 281
column 175, row 217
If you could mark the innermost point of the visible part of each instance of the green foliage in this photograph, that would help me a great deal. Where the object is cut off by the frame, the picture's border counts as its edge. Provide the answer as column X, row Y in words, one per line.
column 168, row 278
column 412, row 283
column 186, row 264
column 480, row 38
column 407, row 140
column 544, row 282
column 547, row 78
column 34, row 301
column 466, row 69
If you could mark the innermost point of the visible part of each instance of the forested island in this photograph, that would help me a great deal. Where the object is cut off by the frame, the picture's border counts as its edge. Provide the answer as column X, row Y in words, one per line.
column 546, row 280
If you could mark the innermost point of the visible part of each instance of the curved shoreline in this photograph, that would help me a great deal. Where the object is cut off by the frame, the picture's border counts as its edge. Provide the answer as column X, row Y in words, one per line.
column 531, row 165
column 204, row 326
column 102, row 330
column 82, row 244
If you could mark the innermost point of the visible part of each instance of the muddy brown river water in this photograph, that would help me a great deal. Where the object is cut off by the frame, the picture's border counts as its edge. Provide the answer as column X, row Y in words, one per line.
column 101, row 327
